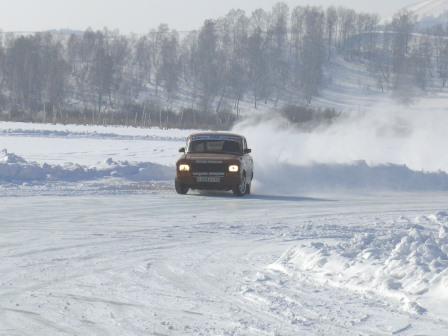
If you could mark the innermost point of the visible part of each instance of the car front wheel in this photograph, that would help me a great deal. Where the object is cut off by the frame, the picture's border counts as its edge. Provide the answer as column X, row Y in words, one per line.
column 181, row 189
column 241, row 188
column 248, row 187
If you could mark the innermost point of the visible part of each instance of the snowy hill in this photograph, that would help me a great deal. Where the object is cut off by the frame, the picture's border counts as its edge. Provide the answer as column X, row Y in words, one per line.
column 429, row 8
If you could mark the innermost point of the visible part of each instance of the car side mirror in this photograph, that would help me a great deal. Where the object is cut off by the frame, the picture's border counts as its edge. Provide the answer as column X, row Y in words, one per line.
column 182, row 150
column 248, row 151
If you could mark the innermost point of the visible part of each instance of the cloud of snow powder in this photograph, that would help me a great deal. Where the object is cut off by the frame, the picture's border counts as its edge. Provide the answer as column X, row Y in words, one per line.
column 385, row 135
column 398, row 135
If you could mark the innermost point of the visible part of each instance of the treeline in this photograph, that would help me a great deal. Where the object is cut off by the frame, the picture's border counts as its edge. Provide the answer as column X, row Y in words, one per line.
column 199, row 79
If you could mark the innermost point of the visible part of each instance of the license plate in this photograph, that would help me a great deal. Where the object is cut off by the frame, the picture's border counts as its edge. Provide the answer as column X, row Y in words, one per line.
column 208, row 179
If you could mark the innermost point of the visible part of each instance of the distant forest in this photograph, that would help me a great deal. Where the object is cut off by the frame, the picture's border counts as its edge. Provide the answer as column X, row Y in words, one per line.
column 103, row 77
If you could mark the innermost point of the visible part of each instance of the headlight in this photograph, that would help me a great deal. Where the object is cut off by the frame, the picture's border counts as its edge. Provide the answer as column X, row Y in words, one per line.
column 184, row 168
column 234, row 169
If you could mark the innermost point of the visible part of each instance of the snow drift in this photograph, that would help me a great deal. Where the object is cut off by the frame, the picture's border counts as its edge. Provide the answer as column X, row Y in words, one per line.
column 411, row 264
column 15, row 169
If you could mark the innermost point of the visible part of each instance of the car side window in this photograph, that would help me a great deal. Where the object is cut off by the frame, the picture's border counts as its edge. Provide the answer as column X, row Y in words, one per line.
column 244, row 144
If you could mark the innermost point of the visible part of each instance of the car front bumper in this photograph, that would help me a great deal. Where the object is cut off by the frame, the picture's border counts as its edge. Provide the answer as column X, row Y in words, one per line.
column 197, row 181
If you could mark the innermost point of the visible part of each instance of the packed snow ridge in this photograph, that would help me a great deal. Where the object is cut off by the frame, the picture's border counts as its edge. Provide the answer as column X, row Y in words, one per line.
column 410, row 264
column 282, row 178
column 15, row 169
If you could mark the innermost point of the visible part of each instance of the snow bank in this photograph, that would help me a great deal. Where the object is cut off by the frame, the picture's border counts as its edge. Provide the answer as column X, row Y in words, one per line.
column 410, row 265
column 288, row 178
column 282, row 178
column 15, row 169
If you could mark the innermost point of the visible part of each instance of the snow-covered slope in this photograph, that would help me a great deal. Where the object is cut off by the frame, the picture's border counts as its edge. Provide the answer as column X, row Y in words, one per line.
column 428, row 8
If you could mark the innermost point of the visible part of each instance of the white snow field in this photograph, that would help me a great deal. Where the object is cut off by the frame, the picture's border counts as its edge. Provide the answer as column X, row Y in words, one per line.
column 87, row 145
column 162, row 264
column 94, row 241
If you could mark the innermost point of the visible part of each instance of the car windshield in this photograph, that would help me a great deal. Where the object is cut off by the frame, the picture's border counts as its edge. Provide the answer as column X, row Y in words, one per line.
column 215, row 146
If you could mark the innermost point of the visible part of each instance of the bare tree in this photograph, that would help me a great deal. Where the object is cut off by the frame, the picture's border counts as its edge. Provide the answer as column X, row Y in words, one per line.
column 331, row 27
column 421, row 59
column 168, row 72
column 402, row 26
column 272, row 56
column 313, row 54
column 258, row 66
column 209, row 58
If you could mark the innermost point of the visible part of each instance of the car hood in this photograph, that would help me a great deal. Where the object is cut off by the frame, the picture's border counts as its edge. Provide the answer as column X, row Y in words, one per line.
column 211, row 157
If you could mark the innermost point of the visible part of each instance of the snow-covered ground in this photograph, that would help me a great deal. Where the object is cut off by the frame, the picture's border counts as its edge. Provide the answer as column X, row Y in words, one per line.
column 93, row 240
column 161, row 264
column 87, row 145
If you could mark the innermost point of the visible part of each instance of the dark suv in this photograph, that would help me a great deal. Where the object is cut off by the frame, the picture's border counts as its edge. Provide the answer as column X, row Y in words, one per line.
column 215, row 161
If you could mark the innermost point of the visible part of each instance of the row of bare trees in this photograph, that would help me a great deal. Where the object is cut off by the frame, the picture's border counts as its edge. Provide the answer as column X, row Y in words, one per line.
column 277, row 56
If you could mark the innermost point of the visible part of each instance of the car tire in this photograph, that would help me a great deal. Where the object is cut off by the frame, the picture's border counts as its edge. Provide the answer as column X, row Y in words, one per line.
column 241, row 188
column 249, row 185
column 248, row 188
column 181, row 189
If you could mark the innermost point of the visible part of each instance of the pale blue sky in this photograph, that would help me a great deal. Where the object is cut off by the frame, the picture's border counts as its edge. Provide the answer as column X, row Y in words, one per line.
column 140, row 15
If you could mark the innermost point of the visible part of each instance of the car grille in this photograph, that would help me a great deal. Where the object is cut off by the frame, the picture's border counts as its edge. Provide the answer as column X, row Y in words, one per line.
column 209, row 167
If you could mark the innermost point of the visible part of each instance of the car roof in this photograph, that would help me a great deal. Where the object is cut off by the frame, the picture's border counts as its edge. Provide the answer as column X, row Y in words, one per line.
column 218, row 134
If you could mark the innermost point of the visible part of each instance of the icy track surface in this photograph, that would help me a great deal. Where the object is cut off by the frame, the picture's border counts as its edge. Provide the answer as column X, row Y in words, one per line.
column 162, row 264
column 94, row 241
